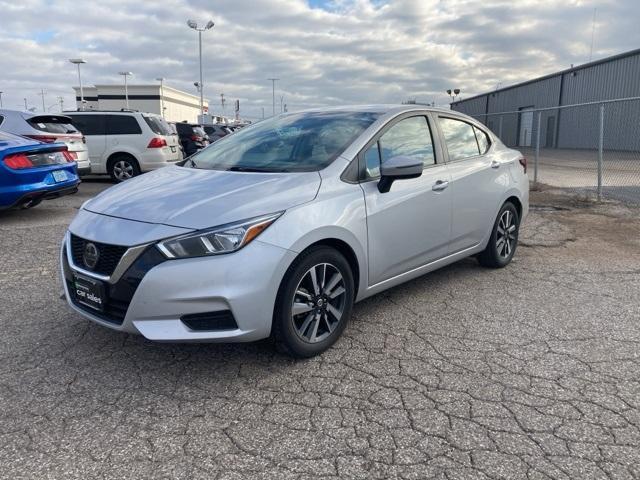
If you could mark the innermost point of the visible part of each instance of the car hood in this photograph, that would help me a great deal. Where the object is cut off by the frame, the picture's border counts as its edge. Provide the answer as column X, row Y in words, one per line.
column 197, row 199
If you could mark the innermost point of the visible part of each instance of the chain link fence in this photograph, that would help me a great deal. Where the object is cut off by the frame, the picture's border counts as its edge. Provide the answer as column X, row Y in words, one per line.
column 591, row 148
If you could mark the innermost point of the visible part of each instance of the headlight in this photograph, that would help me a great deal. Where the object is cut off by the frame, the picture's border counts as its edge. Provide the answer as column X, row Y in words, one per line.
column 218, row 240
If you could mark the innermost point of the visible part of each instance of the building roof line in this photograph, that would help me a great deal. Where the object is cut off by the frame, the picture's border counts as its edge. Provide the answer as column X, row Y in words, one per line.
column 618, row 56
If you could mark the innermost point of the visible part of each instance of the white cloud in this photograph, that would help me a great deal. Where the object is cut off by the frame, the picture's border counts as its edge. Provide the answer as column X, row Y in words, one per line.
column 352, row 51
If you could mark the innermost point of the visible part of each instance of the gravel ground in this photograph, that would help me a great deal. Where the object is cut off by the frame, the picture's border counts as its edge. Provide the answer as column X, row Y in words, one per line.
column 532, row 371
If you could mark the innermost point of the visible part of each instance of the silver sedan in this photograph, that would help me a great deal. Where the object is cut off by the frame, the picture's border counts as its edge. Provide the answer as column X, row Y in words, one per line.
column 279, row 229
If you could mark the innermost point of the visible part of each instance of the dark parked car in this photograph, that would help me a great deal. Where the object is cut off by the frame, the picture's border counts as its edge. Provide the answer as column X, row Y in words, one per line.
column 216, row 132
column 192, row 137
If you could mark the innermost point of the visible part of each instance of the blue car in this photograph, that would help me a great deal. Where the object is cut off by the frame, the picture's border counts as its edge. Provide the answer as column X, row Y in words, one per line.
column 33, row 171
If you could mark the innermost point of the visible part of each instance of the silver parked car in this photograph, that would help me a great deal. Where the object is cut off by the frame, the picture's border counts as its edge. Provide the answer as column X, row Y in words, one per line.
column 281, row 227
column 48, row 128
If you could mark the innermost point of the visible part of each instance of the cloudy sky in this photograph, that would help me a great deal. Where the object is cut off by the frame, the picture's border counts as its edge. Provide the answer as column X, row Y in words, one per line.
column 325, row 52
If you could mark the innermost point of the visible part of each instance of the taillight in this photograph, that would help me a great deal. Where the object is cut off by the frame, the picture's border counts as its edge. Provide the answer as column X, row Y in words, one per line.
column 70, row 156
column 157, row 142
column 43, row 138
column 17, row 161
column 523, row 162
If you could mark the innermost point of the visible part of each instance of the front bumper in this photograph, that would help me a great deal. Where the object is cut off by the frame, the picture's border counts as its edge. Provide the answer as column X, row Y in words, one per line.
column 244, row 283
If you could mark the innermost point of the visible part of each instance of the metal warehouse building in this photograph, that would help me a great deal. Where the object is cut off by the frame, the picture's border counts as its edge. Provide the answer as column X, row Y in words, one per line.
column 576, row 127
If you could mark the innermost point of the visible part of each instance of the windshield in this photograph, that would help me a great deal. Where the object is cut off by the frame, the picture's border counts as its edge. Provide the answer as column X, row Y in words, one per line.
column 298, row 142
column 51, row 125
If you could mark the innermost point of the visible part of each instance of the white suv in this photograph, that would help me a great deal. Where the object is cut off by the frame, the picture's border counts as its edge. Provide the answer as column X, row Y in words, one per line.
column 126, row 143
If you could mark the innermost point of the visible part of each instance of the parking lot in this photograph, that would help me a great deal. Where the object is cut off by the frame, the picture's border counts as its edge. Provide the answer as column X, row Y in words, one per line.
column 532, row 371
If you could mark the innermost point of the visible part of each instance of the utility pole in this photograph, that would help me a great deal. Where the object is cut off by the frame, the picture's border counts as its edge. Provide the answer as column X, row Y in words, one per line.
column 25, row 104
column 222, row 102
column 262, row 111
column 593, row 33
column 0, row 99
column 42, row 94
column 273, row 93
column 281, row 103
column 61, row 100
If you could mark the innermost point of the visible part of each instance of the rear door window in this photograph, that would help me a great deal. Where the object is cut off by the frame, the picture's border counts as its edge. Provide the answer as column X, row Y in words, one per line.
column 89, row 124
column 122, row 125
column 460, row 138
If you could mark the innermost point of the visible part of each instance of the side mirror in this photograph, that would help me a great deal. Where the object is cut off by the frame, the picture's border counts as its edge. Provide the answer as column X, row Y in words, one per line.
column 398, row 168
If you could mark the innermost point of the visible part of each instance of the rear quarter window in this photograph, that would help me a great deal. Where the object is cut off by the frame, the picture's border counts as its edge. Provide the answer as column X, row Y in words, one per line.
column 158, row 125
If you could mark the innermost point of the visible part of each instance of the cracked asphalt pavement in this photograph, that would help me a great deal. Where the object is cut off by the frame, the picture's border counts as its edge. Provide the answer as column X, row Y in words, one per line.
column 532, row 371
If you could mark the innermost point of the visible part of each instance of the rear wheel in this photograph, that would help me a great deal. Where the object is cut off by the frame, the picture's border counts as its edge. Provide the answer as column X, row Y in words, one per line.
column 123, row 167
column 314, row 303
column 504, row 238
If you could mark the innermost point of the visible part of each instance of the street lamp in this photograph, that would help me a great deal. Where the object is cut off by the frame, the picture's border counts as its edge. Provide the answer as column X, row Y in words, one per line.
column 161, row 80
column 126, row 91
column 273, row 93
column 208, row 26
column 78, row 61
column 453, row 94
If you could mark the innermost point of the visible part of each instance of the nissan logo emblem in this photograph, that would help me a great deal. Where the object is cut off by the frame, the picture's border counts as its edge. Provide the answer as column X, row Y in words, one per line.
column 90, row 255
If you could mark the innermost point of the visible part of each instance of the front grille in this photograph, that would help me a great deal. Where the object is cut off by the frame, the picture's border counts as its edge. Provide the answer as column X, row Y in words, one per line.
column 109, row 255
column 120, row 294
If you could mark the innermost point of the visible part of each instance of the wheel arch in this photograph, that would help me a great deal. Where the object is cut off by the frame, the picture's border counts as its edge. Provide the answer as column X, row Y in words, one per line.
column 120, row 153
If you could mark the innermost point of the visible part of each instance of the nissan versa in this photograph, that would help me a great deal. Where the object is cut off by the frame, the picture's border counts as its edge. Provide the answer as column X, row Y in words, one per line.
column 278, row 229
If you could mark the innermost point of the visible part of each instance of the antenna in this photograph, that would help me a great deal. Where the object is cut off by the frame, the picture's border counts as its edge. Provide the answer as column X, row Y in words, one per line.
column 593, row 33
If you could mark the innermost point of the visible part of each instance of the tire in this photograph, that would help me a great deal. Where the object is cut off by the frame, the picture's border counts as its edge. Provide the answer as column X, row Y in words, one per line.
column 123, row 167
column 324, row 306
column 500, row 249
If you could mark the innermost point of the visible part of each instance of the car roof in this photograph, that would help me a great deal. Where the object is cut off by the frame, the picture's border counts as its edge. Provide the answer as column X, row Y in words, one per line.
column 380, row 109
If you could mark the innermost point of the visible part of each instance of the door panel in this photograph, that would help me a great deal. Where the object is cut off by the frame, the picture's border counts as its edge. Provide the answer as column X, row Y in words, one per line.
column 408, row 226
column 476, row 189
column 477, row 182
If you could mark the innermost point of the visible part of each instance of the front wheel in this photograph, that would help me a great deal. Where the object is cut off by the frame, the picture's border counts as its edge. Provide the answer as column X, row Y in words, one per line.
column 314, row 302
column 504, row 238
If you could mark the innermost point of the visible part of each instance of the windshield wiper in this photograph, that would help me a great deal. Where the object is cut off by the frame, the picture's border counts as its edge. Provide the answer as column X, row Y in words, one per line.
column 253, row 169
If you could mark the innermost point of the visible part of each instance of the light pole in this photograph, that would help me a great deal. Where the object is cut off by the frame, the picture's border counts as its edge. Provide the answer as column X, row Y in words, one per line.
column 61, row 100
column 126, row 90
column 453, row 94
column 208, row 26
column 273, row 93
column 78, row 61
column 0, row 99
column 25, row 104
column 161, row 80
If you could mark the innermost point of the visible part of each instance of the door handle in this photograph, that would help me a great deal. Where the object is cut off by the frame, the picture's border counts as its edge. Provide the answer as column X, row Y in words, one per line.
column 440, row 185
column 495, row 164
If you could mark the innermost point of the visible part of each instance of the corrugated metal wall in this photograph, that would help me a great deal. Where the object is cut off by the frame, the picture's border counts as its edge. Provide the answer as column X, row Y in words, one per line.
column 569, row 127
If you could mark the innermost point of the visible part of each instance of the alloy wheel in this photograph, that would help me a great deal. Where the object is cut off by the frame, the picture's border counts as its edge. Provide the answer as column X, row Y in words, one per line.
column 318, row 303
column 122, row 170
column 506, row 234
